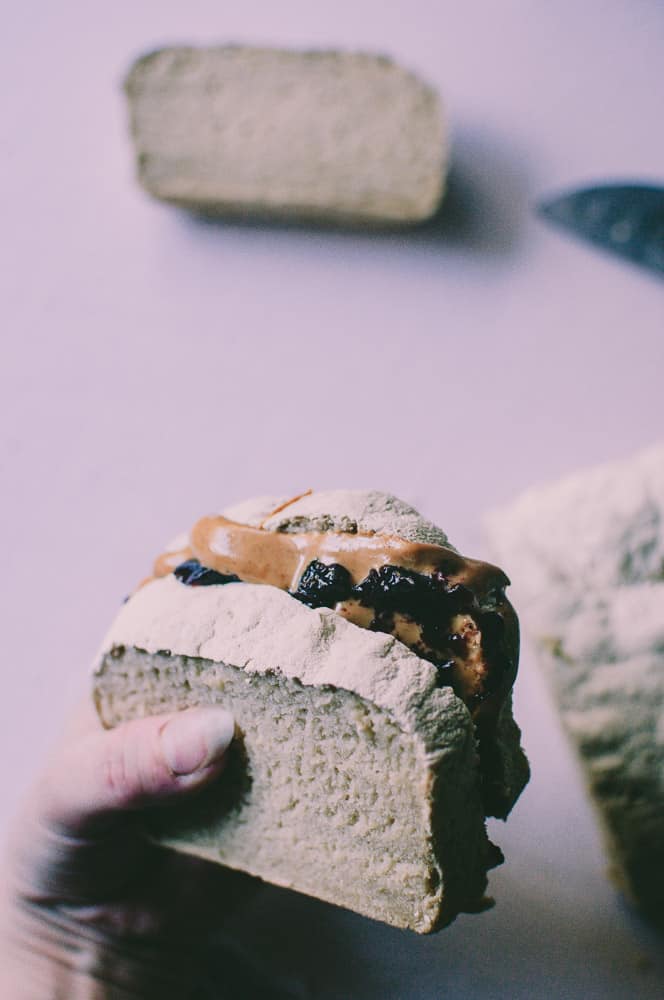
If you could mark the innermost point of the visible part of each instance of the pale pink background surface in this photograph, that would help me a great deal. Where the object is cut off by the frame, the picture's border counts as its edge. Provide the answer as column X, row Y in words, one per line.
column 155, row 367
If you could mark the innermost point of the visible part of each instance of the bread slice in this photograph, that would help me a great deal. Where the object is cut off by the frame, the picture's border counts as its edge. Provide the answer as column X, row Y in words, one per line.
column 355, row 775
column 329, row 136
column 588, row 558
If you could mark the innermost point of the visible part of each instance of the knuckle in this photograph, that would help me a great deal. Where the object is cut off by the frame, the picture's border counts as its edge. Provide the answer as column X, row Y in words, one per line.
column 131, row 771
column 118, row 781
column 156, row 778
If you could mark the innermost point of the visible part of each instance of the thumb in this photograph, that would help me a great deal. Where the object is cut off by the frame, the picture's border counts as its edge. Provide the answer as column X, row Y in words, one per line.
column 140, row 763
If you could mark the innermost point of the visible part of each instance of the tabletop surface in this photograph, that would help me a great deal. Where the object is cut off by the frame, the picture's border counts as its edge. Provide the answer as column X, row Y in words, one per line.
column 156, row 367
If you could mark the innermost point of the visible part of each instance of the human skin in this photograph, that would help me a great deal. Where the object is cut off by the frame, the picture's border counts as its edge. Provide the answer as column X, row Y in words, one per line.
column 91, row 909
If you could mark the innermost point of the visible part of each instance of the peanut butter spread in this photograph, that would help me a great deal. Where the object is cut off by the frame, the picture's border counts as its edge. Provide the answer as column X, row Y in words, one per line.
column 280, row 558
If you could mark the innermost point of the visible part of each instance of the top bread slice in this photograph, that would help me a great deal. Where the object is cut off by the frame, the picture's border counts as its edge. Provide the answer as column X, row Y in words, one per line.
column 251, row 132
column 588, row 556
column 356, row 776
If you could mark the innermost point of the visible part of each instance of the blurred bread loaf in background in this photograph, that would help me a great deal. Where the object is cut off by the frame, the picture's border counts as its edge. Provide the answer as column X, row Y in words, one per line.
column 346, row 138
column 587, row 561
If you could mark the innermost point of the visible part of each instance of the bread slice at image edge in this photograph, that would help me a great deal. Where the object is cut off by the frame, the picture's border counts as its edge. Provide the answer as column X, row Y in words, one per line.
column 588, row 557
column 354, row 776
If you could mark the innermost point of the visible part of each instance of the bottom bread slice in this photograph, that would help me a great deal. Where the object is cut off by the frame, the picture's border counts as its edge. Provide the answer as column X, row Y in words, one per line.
column 326, row 793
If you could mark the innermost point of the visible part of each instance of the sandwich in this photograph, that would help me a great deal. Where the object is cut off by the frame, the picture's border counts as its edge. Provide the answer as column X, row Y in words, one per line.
column 369, row 667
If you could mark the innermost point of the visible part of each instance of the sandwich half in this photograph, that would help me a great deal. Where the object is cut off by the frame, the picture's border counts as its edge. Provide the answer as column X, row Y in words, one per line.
column 369, row 668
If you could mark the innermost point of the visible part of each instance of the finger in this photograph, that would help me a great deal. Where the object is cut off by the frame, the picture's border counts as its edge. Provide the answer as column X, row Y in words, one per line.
column 140, row 763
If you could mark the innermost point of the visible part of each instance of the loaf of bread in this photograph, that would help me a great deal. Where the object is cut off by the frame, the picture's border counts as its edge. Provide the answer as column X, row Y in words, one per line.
column 588, row 558
column 366, row 758
column 328, row 136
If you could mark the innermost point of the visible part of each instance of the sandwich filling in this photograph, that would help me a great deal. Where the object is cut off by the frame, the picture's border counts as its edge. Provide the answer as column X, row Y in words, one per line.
column 448, row 609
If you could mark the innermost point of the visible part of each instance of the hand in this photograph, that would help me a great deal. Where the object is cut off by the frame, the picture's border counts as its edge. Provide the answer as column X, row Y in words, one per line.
column 91, row 907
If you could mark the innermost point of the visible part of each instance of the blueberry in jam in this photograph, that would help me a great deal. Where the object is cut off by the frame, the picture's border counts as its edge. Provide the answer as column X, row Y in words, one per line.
column 323, row 586
column 391, row 588
column 459, row 598
column 194, row 575
column 443, row 667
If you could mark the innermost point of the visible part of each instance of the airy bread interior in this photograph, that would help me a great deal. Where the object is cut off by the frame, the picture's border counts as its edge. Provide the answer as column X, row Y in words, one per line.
column 325, row 793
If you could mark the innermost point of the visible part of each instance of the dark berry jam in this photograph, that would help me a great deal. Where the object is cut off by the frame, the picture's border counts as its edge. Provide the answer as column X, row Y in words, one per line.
column 194, row 575
column 323, row 586
column 392, row 588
